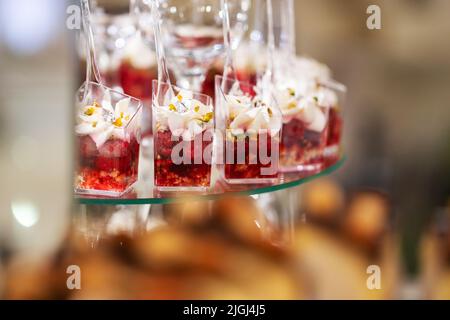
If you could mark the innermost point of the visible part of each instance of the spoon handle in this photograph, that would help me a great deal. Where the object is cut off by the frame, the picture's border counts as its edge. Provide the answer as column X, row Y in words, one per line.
column 229, row 70
column 163, row 72
column 92, row 71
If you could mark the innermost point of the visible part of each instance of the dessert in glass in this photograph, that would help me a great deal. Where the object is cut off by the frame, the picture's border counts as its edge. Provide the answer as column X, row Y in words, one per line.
column 333, row 148
column 251, row 128
column 108, row 134
column 183, row 124
column 305, row 110
column 138, row 68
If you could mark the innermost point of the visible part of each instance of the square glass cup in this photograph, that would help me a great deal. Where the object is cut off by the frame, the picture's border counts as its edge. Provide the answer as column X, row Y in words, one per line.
column 182, row 155
column 251, row 157
column 303, row 147
column 108, row 167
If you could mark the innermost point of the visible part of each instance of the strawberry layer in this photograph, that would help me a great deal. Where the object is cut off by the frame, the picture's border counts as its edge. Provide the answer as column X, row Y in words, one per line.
column 112, row 167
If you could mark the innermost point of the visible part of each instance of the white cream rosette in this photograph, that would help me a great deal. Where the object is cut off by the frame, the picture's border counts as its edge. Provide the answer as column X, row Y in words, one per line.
column 184, row 116
column 306, row 102
column 139, row 54
column 251, row 116
column 102, row 121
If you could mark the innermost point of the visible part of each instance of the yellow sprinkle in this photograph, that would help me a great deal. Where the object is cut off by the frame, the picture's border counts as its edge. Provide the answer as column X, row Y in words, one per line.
column 291, row 92
column 207, row 117
column 292, row 105
column 172, row 107
column 121, row 114
column 127, row 118
column 89, row 111
column 118, row 122
column 197, row 108
column 179, row 97
column 270, row 112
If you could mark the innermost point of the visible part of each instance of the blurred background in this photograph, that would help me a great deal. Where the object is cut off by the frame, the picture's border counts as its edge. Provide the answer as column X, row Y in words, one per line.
column 388, row 205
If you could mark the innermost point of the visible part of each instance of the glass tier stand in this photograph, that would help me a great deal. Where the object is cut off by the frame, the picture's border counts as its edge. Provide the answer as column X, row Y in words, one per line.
column 143, row 192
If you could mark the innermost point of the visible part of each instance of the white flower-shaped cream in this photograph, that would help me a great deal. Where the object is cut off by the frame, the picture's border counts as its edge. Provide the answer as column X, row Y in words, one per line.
column 102, row 121
column 312, row 114
column 251, row 116
column 139, row 54
column 184, row 116
column 306, row 105
column 312, row 69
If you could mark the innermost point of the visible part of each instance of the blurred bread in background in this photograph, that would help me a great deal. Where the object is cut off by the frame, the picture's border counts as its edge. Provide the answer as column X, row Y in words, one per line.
column 221, row 255
column 343, row 236
column 435, row 257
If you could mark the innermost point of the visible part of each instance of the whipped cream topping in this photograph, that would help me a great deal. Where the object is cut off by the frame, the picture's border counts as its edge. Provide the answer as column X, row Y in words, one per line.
column 185, row 116
column 103, row 121
column 251, row 56
column 306, row 104
column 139, row 53
column 312, row 69
column 251, row 115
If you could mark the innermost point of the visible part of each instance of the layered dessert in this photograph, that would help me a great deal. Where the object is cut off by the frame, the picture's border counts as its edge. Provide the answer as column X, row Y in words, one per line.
column 249, row 62
column 335, row 128
column 108, row 156
column 305, row 112
column 138, row 69
column 183, row 132
column 252, row 133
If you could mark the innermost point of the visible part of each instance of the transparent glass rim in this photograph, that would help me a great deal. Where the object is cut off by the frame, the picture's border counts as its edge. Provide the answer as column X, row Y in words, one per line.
column 138, row 102
column 196, row 94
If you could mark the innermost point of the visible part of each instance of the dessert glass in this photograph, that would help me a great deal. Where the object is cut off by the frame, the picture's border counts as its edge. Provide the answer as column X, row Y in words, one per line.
column 250, row 130
column 138, row 69
column 305, row 127
column 183, row 124
column 108, row 139
column 333, row 150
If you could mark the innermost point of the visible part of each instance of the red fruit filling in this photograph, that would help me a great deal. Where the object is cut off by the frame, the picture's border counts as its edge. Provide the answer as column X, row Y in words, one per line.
column 136, row 82
column 208, row 86
column 170, row 174
column 249, row 77
column 335, row 127
column 112, row 167
column 300, row 146
column 252, row 168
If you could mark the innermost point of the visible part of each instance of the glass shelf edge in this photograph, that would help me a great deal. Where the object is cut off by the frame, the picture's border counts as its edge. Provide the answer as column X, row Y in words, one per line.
column 256, row 191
